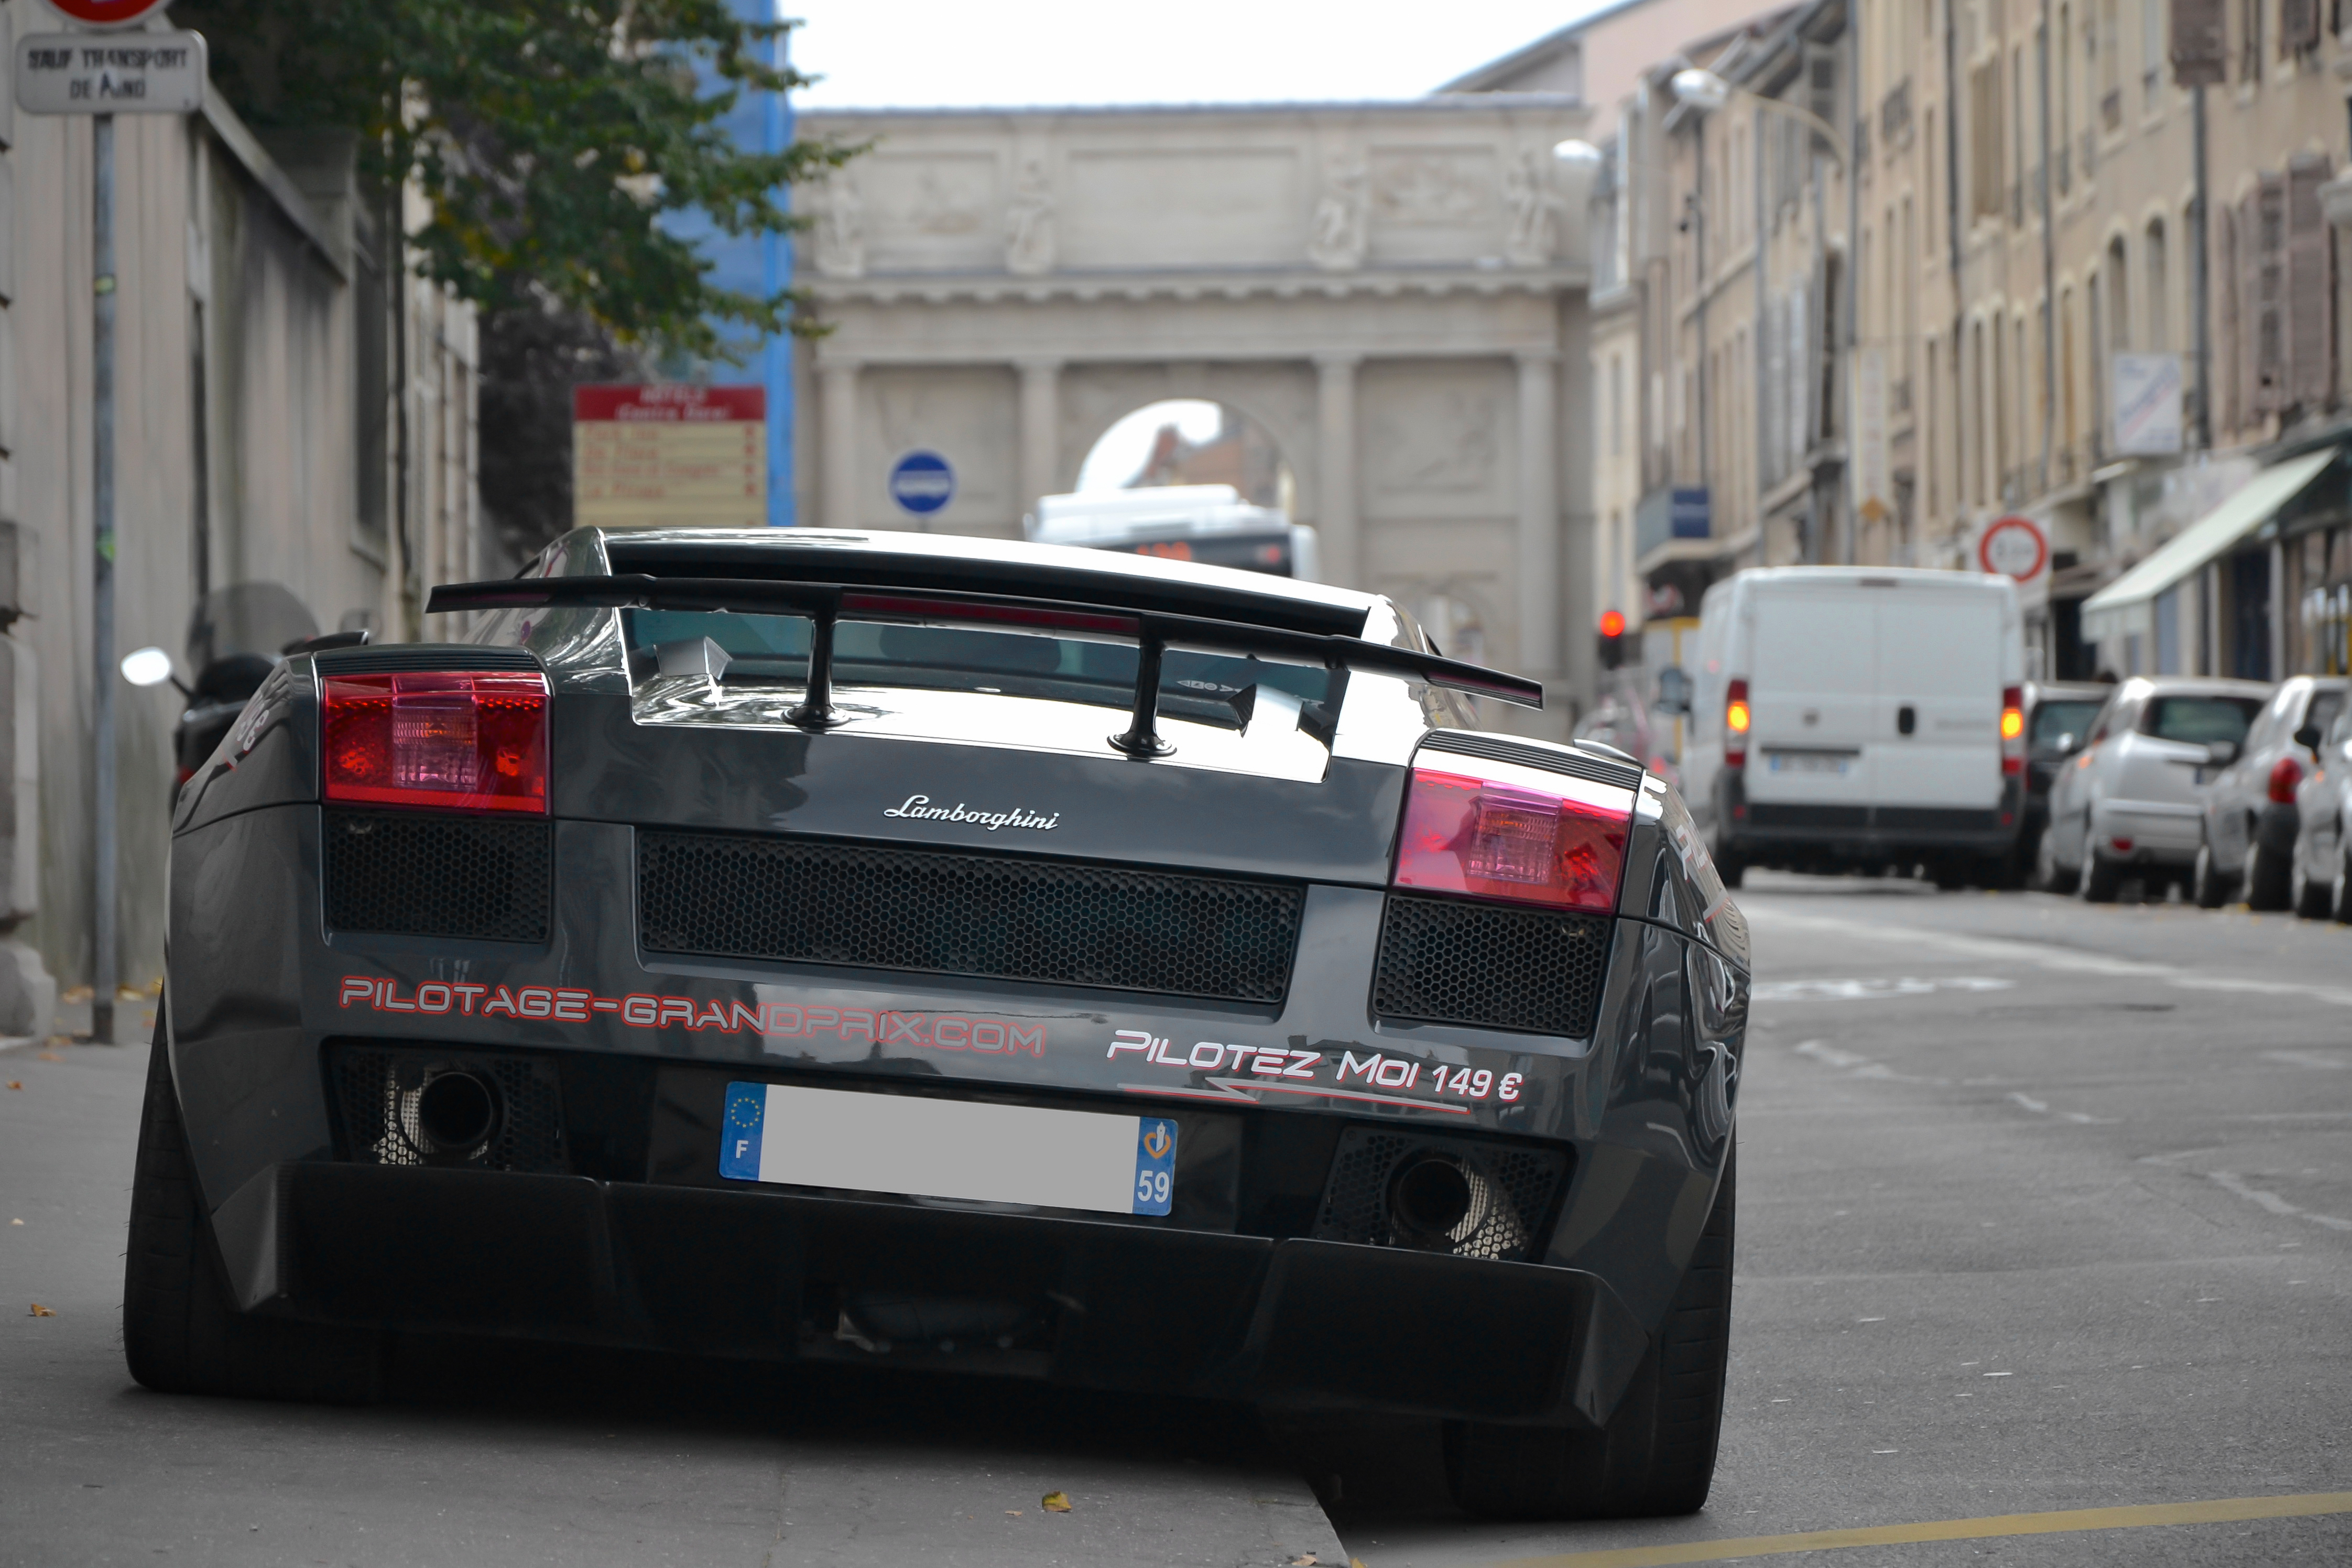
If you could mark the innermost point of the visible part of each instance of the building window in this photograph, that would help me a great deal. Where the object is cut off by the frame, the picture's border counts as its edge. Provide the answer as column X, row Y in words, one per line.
column 2159, row 335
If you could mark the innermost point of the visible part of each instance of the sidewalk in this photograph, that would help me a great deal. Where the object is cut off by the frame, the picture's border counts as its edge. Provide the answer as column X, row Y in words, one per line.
column 135, row 1021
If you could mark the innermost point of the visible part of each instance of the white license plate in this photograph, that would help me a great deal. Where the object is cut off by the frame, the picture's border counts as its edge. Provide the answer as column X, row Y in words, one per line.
column 1808, row 763
column 921, row 1147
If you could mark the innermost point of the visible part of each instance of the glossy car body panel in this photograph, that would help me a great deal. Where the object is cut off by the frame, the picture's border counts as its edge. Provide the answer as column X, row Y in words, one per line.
column 2127, row 784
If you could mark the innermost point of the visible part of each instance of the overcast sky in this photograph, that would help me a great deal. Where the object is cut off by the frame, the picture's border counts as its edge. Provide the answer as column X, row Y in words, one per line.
column 907, row 53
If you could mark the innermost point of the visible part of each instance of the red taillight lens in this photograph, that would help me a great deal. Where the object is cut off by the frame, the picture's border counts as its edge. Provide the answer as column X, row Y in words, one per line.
column 1736, row 720
column 1532, row 838
column 2012, row 730
column 458, row 739
column 2286, row 773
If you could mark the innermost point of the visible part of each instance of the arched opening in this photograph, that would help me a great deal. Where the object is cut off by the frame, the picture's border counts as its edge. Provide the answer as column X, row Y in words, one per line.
column 1191, row 441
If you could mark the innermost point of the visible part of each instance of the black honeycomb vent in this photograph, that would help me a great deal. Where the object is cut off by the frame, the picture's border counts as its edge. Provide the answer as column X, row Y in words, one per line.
column 415, row 874
column 979, row 915
column 1447, row 961
column 378, row 1091
column 1509, row 1192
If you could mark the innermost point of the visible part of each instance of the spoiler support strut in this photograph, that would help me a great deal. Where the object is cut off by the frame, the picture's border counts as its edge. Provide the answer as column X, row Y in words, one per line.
column 824, row 603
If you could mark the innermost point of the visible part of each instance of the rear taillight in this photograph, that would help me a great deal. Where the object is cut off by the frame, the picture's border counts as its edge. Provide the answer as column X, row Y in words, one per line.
column 1736, row 720
column 2285, row 774
column 1525, row 836
column 458, row 739
column 2012, row 730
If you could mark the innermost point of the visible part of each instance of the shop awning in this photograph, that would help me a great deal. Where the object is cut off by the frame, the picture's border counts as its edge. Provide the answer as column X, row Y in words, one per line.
column 2124, row 606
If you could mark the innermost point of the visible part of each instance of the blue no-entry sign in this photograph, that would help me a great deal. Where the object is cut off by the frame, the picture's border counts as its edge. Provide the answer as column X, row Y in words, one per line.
column 921, row 483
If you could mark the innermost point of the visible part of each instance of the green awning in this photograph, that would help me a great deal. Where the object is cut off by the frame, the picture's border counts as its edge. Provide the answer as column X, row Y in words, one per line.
column 2126, row 604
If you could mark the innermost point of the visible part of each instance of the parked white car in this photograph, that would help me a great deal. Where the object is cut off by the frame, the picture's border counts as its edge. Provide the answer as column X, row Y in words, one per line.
column 1856, row 717
column 2129, row 803
column 2249, row 809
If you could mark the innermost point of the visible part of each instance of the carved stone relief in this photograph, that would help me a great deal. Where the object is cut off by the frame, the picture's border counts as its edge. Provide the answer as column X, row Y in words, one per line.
column 1436, row 204
column 929, row 211
column 1029, row 222
column 1341, row 226
column 1434, row 432
column 1530, row 199
column 840, row 211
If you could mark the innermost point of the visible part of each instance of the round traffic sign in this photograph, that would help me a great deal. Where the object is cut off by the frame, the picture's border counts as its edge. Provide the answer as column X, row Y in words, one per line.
column 109, row 13
column 2013, row 547
column 921, row 483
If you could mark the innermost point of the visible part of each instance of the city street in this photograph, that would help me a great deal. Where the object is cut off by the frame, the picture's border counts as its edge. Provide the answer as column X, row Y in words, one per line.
column 2045, row 1207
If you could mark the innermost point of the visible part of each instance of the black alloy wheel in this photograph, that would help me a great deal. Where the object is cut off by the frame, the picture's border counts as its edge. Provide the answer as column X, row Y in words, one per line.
column 2339, row 896
column 2306, row 896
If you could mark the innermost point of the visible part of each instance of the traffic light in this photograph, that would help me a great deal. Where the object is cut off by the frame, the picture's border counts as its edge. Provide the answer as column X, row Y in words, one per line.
column 1612, row 639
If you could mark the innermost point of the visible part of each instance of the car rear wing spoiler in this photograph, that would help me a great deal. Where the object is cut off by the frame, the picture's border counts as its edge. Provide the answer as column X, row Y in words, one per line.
column 824, row 603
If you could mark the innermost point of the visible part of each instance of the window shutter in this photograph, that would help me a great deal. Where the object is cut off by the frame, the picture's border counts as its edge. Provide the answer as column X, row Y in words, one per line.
column 2265, row 292
column 2310, row 331
column 2201, row 41
column 2299, row 24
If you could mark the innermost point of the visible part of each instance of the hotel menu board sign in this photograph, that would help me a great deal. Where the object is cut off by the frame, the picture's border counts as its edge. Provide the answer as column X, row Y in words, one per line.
column 669, row 456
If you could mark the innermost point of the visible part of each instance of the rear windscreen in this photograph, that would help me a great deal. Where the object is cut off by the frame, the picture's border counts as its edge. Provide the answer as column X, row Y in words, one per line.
column 2325, row 706
column 2053, row 720
column 2200, row 718
column 1200, row 685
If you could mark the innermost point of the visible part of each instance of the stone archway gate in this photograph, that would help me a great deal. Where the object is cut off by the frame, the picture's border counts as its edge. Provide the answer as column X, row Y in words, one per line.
column 1396, row 290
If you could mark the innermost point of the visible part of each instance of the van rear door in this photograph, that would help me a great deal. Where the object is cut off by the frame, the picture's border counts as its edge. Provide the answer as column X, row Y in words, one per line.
column 1939, row 657
column 1811, row 693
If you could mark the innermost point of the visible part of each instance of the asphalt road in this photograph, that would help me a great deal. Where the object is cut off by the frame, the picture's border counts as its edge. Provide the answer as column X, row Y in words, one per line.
column 2045, row 1208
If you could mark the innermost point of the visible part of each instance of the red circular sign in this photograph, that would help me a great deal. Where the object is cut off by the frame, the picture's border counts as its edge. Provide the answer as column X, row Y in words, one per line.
column 109, row 13
column 2014, row 547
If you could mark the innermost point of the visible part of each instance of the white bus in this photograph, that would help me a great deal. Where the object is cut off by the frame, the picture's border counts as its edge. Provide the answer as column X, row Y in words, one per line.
column 1209, row 523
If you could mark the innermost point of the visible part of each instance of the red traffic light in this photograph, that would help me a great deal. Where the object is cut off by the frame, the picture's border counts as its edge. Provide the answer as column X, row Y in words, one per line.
column 1612, row 623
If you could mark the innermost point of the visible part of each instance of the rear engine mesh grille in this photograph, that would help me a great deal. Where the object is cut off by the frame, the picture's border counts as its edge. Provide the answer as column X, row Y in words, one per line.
column 1444, row 961
column 429, row 875
column 1510, row 1190
column 966, row 914
column 378, row 1091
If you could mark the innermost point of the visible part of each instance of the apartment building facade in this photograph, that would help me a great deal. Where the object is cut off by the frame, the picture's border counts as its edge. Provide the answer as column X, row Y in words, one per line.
column 1988, row 289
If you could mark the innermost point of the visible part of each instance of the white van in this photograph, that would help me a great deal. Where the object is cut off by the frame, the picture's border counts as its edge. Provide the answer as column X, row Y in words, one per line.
column 1859, row 717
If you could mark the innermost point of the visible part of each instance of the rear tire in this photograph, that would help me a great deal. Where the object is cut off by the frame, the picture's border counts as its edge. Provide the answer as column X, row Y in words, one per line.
column 2207, row 888
column 1656, row 1456
column 2307, row 899
column 182, row 1331
column 2269, row 884
column 2339, row 899
column 2046, row 877
column 2101, row 879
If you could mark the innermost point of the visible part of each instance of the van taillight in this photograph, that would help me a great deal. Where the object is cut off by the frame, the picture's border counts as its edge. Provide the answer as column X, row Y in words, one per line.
column 1736, row 720
column 456, row 739
column 1562, row 845
column 2012, row 730
column 2286, row 774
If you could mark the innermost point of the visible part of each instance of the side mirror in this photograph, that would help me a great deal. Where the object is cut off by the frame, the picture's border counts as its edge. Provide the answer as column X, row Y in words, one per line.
column 2221, row 753
column 1674, row 690
column 2308, row 739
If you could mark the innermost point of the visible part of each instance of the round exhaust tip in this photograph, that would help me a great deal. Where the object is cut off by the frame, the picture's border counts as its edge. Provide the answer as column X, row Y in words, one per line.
column 1431, row 1196
column 457, row 1112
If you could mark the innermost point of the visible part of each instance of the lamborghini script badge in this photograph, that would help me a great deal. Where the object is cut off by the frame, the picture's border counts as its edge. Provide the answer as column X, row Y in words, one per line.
column 919, row 806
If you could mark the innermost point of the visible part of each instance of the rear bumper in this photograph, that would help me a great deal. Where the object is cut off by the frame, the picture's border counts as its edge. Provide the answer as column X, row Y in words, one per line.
column 2162, row 833
column 758, row 1275
column 1865, row 832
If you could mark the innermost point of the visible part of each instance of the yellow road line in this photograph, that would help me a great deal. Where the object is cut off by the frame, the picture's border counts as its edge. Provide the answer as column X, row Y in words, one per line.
column 2308, row 1505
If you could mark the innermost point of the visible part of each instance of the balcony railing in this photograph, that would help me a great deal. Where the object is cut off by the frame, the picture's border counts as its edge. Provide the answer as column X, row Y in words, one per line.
column 1894, row 112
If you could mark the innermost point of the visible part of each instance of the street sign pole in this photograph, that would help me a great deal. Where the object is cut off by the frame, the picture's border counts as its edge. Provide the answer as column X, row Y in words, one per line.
column 116, row 61
column 101, row 581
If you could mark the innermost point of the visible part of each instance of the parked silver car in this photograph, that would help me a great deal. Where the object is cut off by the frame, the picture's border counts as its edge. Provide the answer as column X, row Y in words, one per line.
column 2250, row 807
column 2129, row 804
column 2320, row 883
